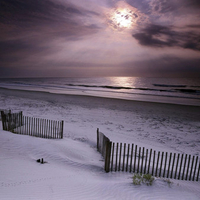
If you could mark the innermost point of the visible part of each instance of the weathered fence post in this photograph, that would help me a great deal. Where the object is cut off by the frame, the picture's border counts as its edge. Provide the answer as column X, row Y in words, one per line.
column 3, row 119
column 107, row 155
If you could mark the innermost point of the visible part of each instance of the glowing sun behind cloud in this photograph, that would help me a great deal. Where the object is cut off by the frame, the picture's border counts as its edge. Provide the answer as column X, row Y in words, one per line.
column 123, row 16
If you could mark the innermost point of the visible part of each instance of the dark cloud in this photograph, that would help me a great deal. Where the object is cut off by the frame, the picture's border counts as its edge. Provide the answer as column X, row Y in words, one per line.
column 35, row 15
column 162, row 36
column 33, row 12
column 29, row 27
column 192, row 3
column 160, row 7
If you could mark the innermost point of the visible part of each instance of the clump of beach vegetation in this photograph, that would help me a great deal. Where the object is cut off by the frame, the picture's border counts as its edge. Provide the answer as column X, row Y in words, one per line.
column 146, row 179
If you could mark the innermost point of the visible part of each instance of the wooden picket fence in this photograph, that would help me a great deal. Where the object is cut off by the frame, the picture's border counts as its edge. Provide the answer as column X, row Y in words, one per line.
column 131, row 158
column 19, row 124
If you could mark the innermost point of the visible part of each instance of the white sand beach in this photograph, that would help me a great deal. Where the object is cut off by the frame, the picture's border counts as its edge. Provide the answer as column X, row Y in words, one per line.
column 74, row 168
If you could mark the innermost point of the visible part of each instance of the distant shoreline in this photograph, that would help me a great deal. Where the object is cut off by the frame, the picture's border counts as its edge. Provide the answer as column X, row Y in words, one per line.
column 34, row 94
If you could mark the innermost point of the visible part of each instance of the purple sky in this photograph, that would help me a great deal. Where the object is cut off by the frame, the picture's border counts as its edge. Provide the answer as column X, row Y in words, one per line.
column 72, row 38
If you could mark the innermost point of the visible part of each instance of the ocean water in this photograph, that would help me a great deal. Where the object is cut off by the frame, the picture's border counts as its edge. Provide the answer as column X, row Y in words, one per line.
column 166, row 90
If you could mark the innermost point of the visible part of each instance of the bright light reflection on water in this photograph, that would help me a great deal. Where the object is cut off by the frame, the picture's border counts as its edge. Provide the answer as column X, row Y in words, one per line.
column 123, row 81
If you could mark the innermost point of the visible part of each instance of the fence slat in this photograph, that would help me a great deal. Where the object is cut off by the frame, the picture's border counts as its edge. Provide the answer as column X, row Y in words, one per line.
column 120, row 152
column 198, row 173
column 176, row 166
column 36, row 126
column 161, row 164
column 25, row 127
column 188, row 166
column 46, row 130
column 124, row 155
column 173, row 164
column 165, row 164
column 135, row 158
column 38, row 129
column 158, row 157
column 113, row 147
column 145, row 161
column 62, row 129
column 195, row 168
column 149, row 161
column 170, row 156
column 57, row 129
column 154, row 154
column 184, row 166
column 138, row 167
column 116, row 157
column 142, row 160
column 20, row 130
column 131, row 157
column 53, row 133
column 191, row 168
column 98, row 139
column 127, row 157
column 56, row 136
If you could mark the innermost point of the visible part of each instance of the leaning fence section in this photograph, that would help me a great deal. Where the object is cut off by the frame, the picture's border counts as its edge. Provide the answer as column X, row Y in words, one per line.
column 20, row 124
column 5, row 111
column 131, row 158
column 11, row 121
